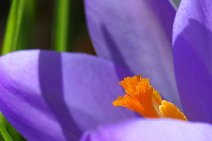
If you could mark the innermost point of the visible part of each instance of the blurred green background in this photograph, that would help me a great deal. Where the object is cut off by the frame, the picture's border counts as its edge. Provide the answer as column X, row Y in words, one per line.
column 38, row 27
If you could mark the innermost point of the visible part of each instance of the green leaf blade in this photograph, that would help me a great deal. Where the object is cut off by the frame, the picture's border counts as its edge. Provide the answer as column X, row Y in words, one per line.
column 4, row 134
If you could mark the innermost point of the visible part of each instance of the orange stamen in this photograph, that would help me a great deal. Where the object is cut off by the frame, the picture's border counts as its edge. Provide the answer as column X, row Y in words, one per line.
column 143, row 98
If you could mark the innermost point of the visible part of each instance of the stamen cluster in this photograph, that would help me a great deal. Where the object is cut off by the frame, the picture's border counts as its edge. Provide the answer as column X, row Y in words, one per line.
column 141, row 97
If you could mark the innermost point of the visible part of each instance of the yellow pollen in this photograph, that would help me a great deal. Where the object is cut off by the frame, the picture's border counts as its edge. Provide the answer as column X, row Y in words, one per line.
column 141, row 97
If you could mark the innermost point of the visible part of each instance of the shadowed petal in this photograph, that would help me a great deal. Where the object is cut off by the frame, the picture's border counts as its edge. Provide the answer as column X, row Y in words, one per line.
column 137, row 35
column 50, row 96
column 193, row 58
column 152, row 130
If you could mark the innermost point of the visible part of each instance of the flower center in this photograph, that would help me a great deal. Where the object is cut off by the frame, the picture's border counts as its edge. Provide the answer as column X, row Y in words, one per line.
column 143, row 98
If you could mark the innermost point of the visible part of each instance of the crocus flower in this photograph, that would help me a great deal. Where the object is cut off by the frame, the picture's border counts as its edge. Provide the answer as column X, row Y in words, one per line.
column 50, row 96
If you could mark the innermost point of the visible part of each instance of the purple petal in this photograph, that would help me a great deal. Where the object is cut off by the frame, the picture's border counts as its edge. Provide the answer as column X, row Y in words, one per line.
column 137, row 35
column 50, row 96
column 152, row 130
column 193, row 58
